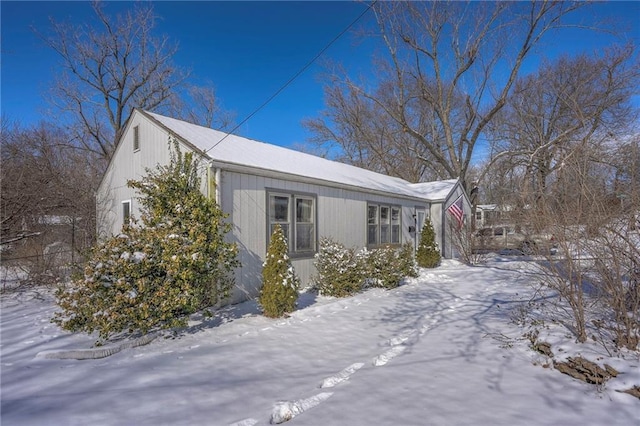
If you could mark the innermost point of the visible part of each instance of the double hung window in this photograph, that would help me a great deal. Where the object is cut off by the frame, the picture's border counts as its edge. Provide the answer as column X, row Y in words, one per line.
column 383, row 224
column 296, row 215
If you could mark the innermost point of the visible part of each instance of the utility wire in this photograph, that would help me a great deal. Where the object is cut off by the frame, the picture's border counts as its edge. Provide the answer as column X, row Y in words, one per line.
column 296, row 75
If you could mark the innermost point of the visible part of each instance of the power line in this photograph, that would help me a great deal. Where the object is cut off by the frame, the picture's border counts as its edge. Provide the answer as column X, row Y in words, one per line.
column 296, row 75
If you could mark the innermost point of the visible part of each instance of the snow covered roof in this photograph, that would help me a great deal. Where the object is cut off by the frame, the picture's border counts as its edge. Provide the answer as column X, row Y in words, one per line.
column 438, row 190
column 247, row 152
column 487, row 206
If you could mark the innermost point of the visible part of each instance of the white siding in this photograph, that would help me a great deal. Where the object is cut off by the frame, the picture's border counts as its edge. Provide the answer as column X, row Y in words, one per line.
column 448, row 249
column 341, row 215
column 341, row 212
column 128, row 164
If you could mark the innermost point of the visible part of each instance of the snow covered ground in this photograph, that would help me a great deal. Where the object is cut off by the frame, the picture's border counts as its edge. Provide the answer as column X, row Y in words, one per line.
column 442, row 349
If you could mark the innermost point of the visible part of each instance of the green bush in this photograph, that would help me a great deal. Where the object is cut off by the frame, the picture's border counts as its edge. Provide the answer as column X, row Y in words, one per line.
column 156, row 272
column 338, row 271
column 280, row 284
column 407, row 261
column 343, row 272
column 428, row 255
column 386, row 267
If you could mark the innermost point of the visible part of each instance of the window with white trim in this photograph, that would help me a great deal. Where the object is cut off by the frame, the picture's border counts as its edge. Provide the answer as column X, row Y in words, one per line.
column 383, row 224
column 296, row 215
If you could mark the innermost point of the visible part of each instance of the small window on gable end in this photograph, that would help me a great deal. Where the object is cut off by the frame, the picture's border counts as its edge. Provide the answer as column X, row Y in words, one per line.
column 136, row 138
column 126, row 212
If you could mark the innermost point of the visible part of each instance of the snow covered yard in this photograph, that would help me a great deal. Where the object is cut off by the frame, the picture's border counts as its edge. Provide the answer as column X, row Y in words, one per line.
column 440, row 350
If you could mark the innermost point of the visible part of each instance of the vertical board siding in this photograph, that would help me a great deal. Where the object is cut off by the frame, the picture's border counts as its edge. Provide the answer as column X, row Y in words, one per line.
column 341, row 215
column 130, row 165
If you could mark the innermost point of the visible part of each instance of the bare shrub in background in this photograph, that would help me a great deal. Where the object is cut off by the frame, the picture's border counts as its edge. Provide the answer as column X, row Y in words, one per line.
column 615, row 273
column 595, row 271
column 466, row 243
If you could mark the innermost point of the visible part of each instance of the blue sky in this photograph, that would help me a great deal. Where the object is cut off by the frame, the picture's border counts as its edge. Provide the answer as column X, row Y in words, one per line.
column 248, row 50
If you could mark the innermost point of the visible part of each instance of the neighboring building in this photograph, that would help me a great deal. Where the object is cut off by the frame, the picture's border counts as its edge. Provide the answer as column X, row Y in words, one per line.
column 259, row 185
column 488, row 215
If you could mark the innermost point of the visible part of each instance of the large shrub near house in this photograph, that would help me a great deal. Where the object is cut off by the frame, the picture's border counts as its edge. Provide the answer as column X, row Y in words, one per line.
column 280, row 284
column 169, row 264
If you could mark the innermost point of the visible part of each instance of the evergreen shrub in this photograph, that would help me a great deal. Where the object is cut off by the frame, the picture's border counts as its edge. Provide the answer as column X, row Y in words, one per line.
column 171, row 263
column 342, row 272
column 338, row 271
column 428, row 254
column 386, row 267
column 280, row 284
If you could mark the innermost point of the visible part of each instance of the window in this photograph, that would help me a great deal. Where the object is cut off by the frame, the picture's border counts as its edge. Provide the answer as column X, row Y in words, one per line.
column 372, row 225
column 296, row 216
column 136, row 138
column 395, row 225
column 383, row 224
column 279, row 214
column 126, row 212
column 305, row 230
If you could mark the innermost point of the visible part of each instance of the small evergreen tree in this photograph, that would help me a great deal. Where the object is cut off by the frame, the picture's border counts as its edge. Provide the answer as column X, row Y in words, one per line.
column 280, row 284
column 428, row 255
column 155, row 273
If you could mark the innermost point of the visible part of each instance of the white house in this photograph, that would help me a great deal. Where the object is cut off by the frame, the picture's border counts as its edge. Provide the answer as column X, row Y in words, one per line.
column 259, row 185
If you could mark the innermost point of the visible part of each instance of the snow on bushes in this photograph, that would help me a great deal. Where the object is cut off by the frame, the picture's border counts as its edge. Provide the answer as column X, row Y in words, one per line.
column 280, row 284
column 173, row 263
column 342, row 271
column 387, row 266
column 338, row 270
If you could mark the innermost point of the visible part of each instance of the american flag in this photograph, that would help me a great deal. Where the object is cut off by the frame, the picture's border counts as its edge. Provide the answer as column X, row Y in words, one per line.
column 456, row 210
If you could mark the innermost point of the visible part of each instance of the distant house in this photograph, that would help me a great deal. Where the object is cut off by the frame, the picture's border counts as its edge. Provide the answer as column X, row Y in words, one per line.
column 488, row 215
column 260, row 185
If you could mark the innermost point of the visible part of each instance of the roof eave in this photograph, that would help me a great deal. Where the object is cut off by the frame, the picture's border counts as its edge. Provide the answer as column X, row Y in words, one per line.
column 258, row 171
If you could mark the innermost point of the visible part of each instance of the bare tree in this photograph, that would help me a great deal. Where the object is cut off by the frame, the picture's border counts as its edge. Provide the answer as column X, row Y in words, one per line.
column 450, row 69
column 563, row 110
column 47, row 194
column 366, row 136
column 111, row 68
column 626, row 160
column 202, row 106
